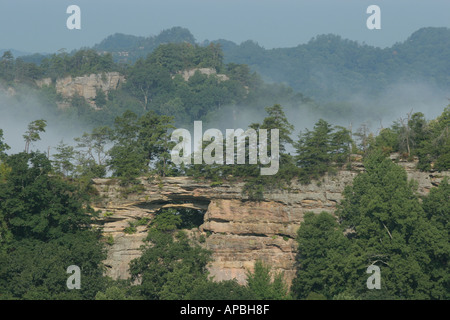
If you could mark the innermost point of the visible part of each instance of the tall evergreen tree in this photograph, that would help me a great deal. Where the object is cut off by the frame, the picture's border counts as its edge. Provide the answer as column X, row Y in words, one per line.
column 385, row 220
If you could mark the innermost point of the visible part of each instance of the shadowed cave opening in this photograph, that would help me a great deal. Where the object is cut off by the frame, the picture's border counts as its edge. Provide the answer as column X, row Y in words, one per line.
column 190, row 218
column 190, row 209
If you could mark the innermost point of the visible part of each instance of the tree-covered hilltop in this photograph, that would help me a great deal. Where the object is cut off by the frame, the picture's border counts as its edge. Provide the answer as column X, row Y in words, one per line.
column 178, row 83
column 46, row 223
column 187, row 81
column 381, row 222
column 128, row 48
column 337, row 78
column 329, row 67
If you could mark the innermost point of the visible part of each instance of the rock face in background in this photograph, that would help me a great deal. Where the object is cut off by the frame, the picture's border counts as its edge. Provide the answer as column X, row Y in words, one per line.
column 85, row 86
column 237, row 231
column 187, row 74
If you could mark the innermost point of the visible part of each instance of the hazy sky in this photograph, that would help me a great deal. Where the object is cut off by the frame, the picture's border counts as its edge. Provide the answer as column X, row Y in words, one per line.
column 40, row 25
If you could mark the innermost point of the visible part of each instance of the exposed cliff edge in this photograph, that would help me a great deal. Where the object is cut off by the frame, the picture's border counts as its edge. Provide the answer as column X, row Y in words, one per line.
column 237, row 230
column 85, row 86
column 187, row 74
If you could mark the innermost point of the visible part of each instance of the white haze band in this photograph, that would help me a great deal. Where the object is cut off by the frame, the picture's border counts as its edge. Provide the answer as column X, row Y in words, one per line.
column 215, row 137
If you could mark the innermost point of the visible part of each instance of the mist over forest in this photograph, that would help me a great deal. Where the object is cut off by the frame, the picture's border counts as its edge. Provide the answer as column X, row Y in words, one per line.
column 107, row 113
column 339, row 80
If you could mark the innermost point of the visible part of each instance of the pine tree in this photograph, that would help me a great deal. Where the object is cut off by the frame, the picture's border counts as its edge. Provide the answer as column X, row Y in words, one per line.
column 314, row 151
column 386, row 222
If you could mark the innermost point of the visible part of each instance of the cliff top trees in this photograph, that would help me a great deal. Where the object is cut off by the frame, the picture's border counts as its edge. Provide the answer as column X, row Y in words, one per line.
column 3, row 145
column 380, row 222
column 276, row 119
column 81, row 62
column 392, row 230
column 32, row 134
column 318, row 150
column 138, row 141
column 428, row 140
column 147, row 79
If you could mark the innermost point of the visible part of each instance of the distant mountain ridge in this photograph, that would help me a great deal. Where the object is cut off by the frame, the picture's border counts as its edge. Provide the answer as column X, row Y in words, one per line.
column 329, row 65
column 15, row 53
column 326, row 66
column 128, row 48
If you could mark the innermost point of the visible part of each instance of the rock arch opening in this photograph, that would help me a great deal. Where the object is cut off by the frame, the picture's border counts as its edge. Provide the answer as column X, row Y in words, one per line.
column 188, row 217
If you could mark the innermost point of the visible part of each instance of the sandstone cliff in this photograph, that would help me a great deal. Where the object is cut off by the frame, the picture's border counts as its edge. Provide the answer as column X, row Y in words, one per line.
column 238, row 231
column 85, row 86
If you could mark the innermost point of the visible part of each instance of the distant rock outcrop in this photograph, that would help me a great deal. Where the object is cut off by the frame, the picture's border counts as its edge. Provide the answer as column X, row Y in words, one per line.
column 187, row 74
column 84, row 86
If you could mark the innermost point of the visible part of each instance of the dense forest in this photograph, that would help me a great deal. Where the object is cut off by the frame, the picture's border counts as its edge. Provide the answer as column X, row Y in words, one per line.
column 327, row 68
column 46, row 222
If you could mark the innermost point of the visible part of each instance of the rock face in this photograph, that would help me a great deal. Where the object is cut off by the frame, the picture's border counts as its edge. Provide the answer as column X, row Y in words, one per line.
column 186, row 74
column 238, row 231
column 85, row 86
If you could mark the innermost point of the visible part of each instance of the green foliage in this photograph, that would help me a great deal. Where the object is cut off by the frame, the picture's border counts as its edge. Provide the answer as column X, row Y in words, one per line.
column 7, row 66
column 138, row 47
column 387, row 141
column 32, row 134
column 92, row 153
column 323, row 267
column 80, row 63
column 382, row 205
column 385, row 225
column 276, row 119
column 437, row 205
column 45, row 220
column 261, row 286
column 321, row 149
column 330, row 69
column 44, row 228
column 37, row 205
column 170, row 266
column 3, row 146
column 414, row 136
column 327, row 68
column 112, row 293
column 137, row 143
column 100, row 97
column 315, row 296
column 256, row 185
column 63, row 162
column 223, row 290
column 166, row 221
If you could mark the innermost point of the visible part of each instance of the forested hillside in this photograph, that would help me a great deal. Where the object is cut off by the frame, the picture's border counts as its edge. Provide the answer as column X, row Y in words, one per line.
column 46, row 222
column 327, row 68
column 158, row 82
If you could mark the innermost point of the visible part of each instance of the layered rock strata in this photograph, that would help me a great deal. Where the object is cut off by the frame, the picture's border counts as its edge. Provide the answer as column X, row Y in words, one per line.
column 85, row 86
column 237, row 231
